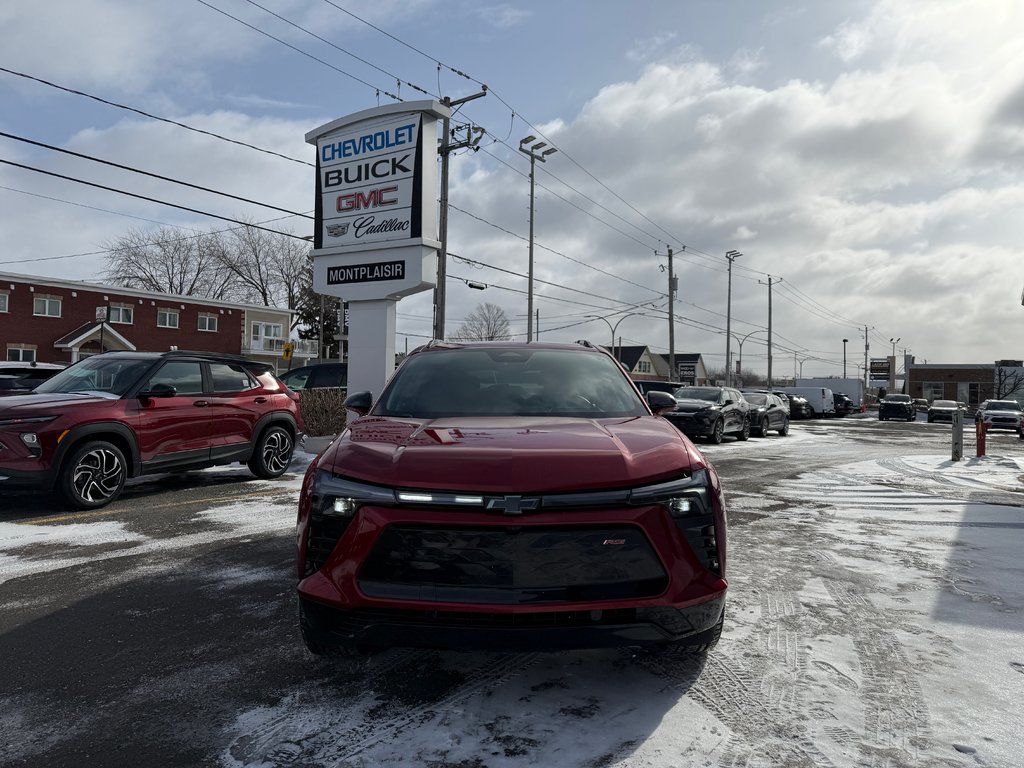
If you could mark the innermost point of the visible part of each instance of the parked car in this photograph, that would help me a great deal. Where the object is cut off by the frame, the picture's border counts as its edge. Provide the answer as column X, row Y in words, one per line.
column 767, row 412
column 799, row 408
column 19, row 378
column 711, row 412
column 843, row 404
column 942, row 410
column 505, row 495
column 920, row 404
column 657, row 386
column 317, row 376
column 999, row 414
column 896, row 407
column 117, row 415
column 818, row 398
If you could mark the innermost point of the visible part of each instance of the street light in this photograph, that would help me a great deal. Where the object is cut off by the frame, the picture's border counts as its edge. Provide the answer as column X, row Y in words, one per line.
column 535, row 151
column 613, row 328
column 845, row 341
column 731, row 256
column 894, row 342
column 739, row 361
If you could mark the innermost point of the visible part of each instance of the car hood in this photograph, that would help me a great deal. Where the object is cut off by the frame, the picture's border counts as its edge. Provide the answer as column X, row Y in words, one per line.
column 527, row 455
column 40, row 401
column 694, row 405
column 999, row 412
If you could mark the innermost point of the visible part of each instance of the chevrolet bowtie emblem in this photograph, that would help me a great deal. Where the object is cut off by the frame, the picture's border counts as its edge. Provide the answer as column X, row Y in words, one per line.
column 513, row 505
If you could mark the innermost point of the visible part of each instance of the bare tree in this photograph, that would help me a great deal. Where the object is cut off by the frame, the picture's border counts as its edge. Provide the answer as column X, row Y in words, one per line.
column 270, row 269
column 1009, row 381
column 485, row 323
column 165, row 261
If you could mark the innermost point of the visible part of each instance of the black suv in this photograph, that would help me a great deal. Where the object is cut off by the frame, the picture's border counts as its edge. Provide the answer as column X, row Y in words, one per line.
column 711, row 412
column 897, row 407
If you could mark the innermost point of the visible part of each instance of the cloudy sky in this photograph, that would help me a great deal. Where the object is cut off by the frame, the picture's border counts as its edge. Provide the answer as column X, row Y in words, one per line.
column 864, row 155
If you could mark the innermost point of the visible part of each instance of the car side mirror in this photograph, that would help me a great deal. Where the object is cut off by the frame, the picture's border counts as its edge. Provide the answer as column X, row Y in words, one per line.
column 661, row 402
column 359, row 402
column 159, row 390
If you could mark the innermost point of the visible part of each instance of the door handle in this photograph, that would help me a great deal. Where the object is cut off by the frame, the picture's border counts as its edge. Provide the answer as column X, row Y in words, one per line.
column 200, row 403
column 261, row 399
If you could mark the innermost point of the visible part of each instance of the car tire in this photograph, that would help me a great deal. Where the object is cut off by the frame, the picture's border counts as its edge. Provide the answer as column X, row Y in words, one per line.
column 93, row 475
column 744, row 434
column 911, row 418
column 784, row 429
column 716, row 432
column 273, row 453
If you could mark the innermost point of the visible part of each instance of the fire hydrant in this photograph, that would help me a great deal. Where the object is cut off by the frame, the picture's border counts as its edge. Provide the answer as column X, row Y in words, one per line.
column 980, row 428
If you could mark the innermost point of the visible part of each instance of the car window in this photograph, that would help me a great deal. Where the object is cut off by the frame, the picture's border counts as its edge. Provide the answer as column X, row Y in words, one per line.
column 710, row 394
column 229, row 377
column 185, row 376
column 756, row 399
column 106, row 375
column 326, row 376
column 296, row 379
column 897, row 398
column 1003, row 405
column 944, row 404
column 509, row 382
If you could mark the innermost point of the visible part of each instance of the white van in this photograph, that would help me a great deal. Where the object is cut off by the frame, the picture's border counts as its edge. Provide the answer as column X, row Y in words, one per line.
column 820, row 399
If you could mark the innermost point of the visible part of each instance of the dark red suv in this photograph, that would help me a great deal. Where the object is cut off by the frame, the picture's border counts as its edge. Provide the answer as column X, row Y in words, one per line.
column 510, row 495
column 123, row 414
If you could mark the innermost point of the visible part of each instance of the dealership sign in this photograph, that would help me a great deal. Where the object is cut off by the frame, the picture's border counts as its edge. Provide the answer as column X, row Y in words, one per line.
column 879, row 368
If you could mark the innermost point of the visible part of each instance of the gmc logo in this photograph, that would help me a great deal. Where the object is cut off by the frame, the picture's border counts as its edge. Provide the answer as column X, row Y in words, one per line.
column 375, row 198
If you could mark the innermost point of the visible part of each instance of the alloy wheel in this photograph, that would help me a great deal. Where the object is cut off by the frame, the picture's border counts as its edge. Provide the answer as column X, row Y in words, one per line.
column 277, row 451
column 98, row 476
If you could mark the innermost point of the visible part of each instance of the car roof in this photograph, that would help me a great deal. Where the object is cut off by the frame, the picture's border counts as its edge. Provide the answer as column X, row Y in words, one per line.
column 7, row 366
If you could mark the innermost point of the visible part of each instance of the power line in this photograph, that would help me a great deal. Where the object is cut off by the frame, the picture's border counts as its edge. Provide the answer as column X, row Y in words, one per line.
column 151, row 175
column 149, row 199
column 154, row 117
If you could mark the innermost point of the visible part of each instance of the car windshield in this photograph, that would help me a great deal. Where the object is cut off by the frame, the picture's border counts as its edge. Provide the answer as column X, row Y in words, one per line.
column 108, row 376
column 755, row 399
column 509, row 381
column 897, row 398
column 944, row 404
column 710, row 394
column 1003, row 405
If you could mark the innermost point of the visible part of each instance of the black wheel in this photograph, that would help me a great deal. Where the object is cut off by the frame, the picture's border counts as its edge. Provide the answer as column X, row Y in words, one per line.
column 882, row 418
column 273, row 453
column 784, row 429
column 93, row 475
column 716, row 432
column 313, row 638
column 911, row 418
column 744, row 433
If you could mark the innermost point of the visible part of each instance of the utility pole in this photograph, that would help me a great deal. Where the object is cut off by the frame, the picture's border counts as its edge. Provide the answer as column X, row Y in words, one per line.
column 473, row 136
column 534, row 153
column 844, row 357
column 770, row 283
column 867, row 373
column 731, row 256
column 671, row 319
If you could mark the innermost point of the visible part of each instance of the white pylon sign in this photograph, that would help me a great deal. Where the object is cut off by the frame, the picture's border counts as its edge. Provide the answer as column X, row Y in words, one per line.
column 376, row 223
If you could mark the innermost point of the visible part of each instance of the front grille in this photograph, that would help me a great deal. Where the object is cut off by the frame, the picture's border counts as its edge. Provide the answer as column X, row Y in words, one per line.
column 512, row 565
column 700, row 535
column 323, row 537
column 350, row 622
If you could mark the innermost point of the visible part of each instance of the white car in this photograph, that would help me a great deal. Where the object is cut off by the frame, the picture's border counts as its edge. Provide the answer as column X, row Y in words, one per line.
column 1000, row 414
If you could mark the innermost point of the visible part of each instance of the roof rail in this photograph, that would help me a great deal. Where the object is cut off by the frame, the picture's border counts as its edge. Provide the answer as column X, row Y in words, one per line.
column 210, row 355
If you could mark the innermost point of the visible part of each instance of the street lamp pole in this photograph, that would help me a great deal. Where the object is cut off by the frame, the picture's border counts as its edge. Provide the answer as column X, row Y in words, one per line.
column 739, row 361
column 613, row 328
column 844, row 357
column 535, row 153
column 731, row 256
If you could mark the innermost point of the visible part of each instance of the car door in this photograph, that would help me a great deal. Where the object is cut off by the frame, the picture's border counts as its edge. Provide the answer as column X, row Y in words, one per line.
column 775, row 415
column 175, row 431
column 237, row 401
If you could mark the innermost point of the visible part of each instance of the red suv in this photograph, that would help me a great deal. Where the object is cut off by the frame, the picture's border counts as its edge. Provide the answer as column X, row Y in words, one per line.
column 123, row 414
column 509, row 495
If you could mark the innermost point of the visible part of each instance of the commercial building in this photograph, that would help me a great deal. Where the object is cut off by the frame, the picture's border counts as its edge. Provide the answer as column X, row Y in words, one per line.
column 49, row 320
column 967, row 383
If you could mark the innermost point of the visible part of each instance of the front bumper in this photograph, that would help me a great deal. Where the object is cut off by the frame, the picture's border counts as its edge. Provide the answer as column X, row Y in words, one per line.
column 692, row 424
column 370, row 629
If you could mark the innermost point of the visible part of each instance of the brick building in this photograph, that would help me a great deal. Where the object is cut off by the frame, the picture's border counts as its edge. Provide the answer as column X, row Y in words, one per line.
column 965, row 383
column 59, row 321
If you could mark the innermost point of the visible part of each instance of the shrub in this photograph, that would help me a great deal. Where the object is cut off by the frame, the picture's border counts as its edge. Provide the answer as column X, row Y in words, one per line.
column 323, row 410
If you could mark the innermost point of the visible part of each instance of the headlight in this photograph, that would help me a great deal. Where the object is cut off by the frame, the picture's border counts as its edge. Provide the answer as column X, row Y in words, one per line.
column 337, row 497
column 19, row 420
column 685, row 497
